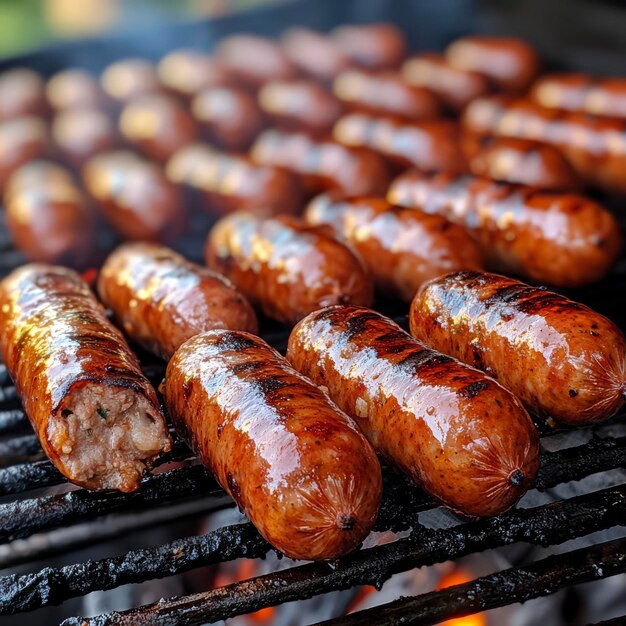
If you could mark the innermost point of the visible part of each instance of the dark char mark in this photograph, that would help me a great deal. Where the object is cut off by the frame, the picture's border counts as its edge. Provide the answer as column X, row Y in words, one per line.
column 356, row 323
column 417, row 361
column 234, row 341
column 472, row 390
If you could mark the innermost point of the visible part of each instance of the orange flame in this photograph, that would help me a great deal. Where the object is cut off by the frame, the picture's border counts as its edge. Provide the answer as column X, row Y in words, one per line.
column 458, row 576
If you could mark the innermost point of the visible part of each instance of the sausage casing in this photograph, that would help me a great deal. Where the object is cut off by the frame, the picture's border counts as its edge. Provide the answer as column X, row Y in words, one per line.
column 401, row 247
column 22, row 94
column 130, row 78
column 74, row 89
column 559, row 357
column 96, row 416
column 559, row 239
column 378, row 46
column 294, row 463
column 456, row 432
column 286, row 268
column 160, row 299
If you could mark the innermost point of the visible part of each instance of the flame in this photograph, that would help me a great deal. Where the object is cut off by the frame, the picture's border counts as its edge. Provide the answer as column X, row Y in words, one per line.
column 458, row 576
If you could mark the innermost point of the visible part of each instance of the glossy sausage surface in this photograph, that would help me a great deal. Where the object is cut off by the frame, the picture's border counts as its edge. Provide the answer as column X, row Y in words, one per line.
column 22, row 93
column 160, row 299
column 294, row 463
column 74, row 89
column 95, row 414
column 401, row 247
column 456, row 432
column 376, row 46
column 559, row 357
column 285, row 267
column 130, row 78
column 559, row 239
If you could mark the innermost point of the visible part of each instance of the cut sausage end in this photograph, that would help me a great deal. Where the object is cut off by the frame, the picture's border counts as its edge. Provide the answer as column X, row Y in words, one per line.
column 345, row 522
column 516, row 478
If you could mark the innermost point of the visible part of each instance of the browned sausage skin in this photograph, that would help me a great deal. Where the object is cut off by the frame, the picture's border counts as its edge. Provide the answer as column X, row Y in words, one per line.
column 22, row 93
column 160, row 299
column 323, row 164
column 377, row 46
column 559, row 357
column 285, row 267
column 96, row 415
column 129, row 78
column 401, row 247
column 456, row 432
column 560, row 239
column 74, row 89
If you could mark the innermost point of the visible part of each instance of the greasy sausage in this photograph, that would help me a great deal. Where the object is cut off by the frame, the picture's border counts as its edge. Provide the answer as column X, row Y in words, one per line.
column 227, row 182
column 285, row 267
column 594, row 146
column 455, row 88
column 293, row 462
column 130, row 78
column 559, row 357
column 158, row 125
column 22, row 93
column 510, row 63
column 300, row 105
column 431, row 145
column 378, row 46
column 402, row 248
column 456, row 432
column 560, row 239
column 134, row 196
column 47, row 215
column 323, row 164
column 385, row 93
column 96, row 416
column 74, row 89
column 160, row 299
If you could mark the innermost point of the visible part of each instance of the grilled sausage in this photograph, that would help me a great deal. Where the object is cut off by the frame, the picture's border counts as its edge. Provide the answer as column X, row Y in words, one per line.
column 559, row 357
column 455, row 88
column 226, row 182
column 402, row 248
column 594, row 146
column 158, row 125
column 431, row 145
column 22, row 94
column 96, row 415
column 510, row 63
column 74, row 89
column 559, row 239
column 522, row 161
column 160, row 299
column 134, row 196
column 284, row 267
column 293, row 462
column 300, row 105
column 254, row 60
column 47, row 215
column 456, row 432
column 376, row 46
column 323, row 164
column 130, row 78
column 230, row 116
column 385, row 93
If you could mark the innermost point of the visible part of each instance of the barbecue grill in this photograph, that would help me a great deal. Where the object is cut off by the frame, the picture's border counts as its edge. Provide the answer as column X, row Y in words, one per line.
column 41, row 519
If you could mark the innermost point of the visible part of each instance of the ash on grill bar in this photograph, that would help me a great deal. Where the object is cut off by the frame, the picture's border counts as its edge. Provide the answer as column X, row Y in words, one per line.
column 312, row 313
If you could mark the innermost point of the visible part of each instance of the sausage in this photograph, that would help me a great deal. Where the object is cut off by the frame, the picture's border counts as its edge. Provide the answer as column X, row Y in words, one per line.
column 300, row 105
column 385, row 93
column 22, row 94
column 378, row 46
column 594, row 146
column 402, row 248
column 160, row 299
column 430, row 145
column 79, row 135
column 21, row 140
column 522, row 161
column 158, row 125
column 560, row 239
column 457, row 433
column 230, row 116
column 95, row 414
column 285, row 267
column 134, row 196
column 315, row 54
column 188, row 72
column 581, row 92
column 560, row 358
column 47, row 215
column 455, row 88
column 227, row 182
column 293, row 462
column 74, row 89
column 254, row 60
column 510, row 63
column 130, row 78
column 323, row 164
